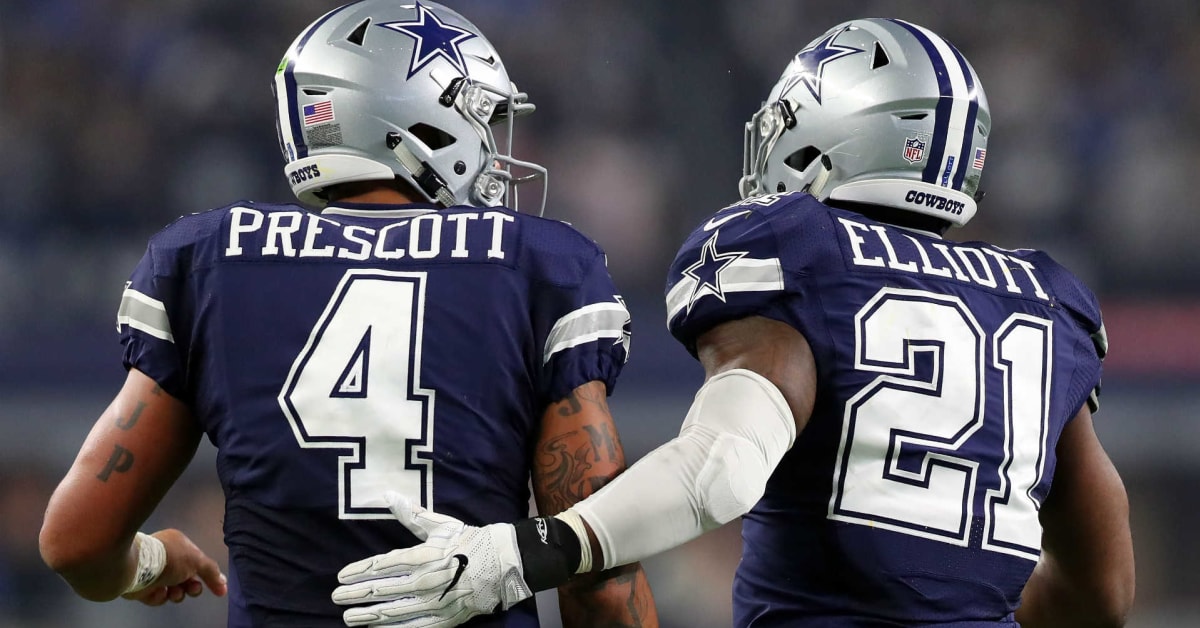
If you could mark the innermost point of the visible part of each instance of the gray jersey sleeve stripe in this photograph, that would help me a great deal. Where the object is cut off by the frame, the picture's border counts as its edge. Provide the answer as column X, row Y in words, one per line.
column 588, row 323
column 144, row 313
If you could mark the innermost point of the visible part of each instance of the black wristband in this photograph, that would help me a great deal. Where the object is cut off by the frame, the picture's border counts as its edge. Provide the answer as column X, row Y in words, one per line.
column 550, row 551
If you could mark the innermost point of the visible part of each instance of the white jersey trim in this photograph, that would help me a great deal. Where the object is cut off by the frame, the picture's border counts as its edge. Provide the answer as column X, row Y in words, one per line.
column 376, row 213
column 746, row 274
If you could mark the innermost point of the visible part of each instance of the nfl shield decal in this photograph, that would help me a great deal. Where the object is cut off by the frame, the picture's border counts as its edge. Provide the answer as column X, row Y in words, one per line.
column 914, row 149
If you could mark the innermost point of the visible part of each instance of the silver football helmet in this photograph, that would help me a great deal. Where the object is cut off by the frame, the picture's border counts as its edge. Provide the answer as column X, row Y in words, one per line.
column 380, row 89
column 875, row 111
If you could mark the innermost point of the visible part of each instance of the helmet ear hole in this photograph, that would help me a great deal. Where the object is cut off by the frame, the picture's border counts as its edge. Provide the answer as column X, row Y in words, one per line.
column 801, row 159
column 431, row 136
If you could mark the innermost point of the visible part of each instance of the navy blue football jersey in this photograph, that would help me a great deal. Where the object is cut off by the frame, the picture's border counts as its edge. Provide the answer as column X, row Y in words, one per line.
column 333, row 357
column 946, row 373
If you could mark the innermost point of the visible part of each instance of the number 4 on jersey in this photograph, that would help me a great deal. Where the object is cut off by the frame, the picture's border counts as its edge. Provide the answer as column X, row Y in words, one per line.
column 356, row 386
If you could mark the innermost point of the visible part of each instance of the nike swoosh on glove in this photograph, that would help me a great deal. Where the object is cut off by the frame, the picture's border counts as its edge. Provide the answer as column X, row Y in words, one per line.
column 458, row 572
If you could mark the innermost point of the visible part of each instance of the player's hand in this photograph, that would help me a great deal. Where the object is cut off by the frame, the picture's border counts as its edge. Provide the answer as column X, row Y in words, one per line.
column 460, row 571
column 187, row 572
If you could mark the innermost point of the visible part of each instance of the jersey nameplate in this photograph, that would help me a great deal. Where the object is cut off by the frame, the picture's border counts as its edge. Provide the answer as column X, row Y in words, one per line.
column 875, row 246
column 433, row 235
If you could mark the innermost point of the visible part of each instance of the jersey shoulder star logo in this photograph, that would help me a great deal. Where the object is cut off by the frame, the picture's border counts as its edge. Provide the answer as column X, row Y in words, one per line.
column 708, row 269
column 433, row 39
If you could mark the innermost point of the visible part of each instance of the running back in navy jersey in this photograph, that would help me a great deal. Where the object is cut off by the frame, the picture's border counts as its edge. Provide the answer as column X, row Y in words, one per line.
column 332, row 357
column 946, row 372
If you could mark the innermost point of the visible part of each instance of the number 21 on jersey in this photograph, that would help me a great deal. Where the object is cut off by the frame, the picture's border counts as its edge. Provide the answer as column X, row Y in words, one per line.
column 356, row 386
column 930, row 399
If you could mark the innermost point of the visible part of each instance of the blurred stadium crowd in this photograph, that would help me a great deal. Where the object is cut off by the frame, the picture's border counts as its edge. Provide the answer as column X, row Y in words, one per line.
column 116, row 116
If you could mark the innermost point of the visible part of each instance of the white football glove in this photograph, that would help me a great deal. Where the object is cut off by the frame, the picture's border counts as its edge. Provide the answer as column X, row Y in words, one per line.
column 460, row 571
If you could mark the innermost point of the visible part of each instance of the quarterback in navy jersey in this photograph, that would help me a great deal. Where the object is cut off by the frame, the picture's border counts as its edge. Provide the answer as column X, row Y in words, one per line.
column 904, row 422
column 414, row 337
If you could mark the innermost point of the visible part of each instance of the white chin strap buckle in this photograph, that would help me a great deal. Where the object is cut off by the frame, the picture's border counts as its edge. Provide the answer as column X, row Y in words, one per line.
column 819, row 182
column 425, row 177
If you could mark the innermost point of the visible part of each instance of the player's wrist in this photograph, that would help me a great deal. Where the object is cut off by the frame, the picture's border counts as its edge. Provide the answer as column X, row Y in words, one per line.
column 550, row 549
column 151, row 561
column 572, row 519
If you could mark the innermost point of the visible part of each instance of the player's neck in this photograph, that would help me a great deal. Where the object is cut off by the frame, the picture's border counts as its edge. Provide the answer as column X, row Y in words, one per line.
column 371, row 193
column 381, row 196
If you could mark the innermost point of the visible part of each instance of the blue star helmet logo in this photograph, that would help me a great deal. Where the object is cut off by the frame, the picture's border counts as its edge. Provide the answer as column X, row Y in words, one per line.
column 707, row 270
column 809, row 63
column 433, row 38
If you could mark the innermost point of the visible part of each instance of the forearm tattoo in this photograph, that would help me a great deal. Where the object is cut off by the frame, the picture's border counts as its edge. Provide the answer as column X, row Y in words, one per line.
column 617, row 598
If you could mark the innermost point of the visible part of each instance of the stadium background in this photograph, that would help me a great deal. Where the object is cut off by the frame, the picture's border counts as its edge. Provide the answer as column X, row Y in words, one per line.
column 116, row 116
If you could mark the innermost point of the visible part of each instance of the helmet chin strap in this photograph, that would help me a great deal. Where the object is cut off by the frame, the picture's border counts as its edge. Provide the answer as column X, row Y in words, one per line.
column 428, row 180
column 822, row 179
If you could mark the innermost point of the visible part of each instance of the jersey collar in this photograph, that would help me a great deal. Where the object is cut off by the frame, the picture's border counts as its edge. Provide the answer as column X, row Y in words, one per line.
column 923, row 232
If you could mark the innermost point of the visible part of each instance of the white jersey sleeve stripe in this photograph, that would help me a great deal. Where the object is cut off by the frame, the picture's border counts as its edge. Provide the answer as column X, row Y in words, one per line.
column 588, row 323
column 144, row 313
column 743, row 275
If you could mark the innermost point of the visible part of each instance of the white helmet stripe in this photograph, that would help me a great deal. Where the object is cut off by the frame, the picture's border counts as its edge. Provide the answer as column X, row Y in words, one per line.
column 955, row 111
column 972, row 113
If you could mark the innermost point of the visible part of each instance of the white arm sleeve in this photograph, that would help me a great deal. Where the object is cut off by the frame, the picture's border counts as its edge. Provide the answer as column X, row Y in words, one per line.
column 736, row 432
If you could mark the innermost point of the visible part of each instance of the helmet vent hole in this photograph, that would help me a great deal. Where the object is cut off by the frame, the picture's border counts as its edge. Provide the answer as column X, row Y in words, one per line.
column 802, row 158
column 432, row 137
column 914, row 116
column 356, row 37
column 308, row 91
column 880, row 58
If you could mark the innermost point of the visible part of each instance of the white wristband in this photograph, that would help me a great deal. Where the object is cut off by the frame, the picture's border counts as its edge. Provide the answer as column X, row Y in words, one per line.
column 152, row 559
column 572, row 518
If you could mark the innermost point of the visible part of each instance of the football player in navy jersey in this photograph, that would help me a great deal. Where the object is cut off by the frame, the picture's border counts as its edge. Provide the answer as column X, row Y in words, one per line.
column 415, row 335
column 904, row 422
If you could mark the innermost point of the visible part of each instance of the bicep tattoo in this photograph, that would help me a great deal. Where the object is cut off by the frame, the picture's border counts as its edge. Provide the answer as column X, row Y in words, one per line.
column 604, row 442
column 120, row 461
column 128, row 423
column 581, row 395
column 577, row 461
